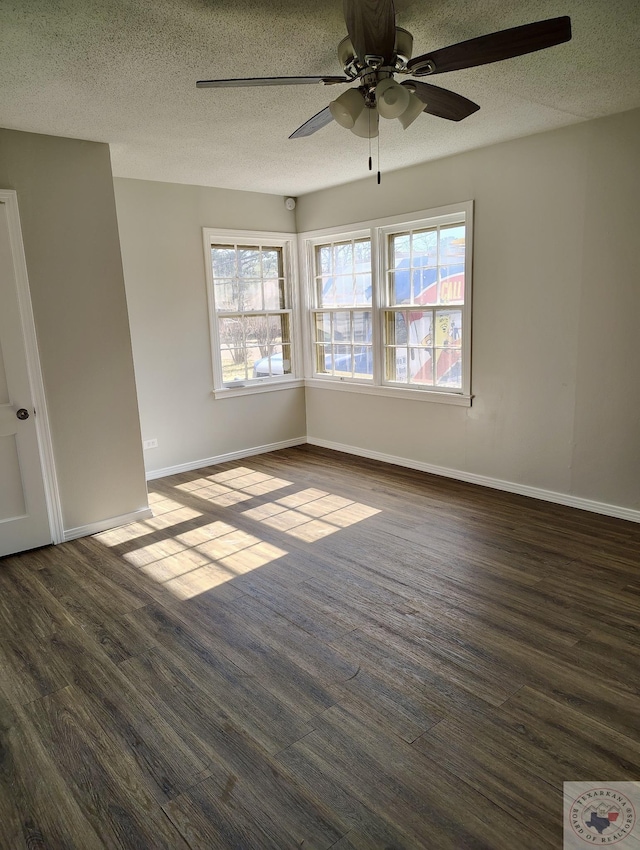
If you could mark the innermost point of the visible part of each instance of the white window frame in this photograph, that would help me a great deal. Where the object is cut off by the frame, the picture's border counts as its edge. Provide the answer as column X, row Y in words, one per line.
column 313, row 309
column 378, row 230
column 268, row 239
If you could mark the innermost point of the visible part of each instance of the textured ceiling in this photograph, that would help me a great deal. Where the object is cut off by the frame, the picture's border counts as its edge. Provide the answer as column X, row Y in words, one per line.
column 124, row 72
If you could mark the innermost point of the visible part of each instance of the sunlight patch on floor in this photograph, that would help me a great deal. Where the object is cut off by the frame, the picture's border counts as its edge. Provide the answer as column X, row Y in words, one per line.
column 203, row 558
column 198, row 559
column 233, row 486
column 310, row 514
column 167, row 514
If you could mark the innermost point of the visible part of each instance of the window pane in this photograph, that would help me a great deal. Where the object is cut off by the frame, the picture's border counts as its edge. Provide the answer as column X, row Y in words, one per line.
column 344, row 290
column 231, row 332
column 272, row 262
column 425, row 248
column 452, row 261
column 449, row 367
column 323, row 259
column 343, row 258
column 452, row 284
column 399, row 287
column 274, row 294
column 233, row 365
column 273, row 364
column 252, row 346
column 361, row 327
column 267, row 366
column 362, row 289
column 232, row 347
column 223, row 261
column 363, row 361
column 420, row 366
column 342, row 360
column 342, row 326
column 249, row 262
column 420, row 330
column 399, row 249
column 343, row 273
column 279, row 329
column 323, row 358
column 323, row 327
column 452, row 244
column 226, row 294
column 425, row 286
column 327, row 292
column 250, row 295
column 257, row 331
column 285, row 359
column 449, row 328
column 362, row 252
column 395, row 329
column 396, row 364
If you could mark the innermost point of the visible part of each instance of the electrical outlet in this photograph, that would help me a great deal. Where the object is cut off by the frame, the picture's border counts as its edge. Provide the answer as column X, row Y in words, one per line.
column 149, row 444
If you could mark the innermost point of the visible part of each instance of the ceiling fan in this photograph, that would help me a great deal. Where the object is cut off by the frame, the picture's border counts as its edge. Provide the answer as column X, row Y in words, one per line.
column 375, row 50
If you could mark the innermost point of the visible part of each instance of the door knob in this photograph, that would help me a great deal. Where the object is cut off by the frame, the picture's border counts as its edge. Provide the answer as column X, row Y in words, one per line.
column 22, row 413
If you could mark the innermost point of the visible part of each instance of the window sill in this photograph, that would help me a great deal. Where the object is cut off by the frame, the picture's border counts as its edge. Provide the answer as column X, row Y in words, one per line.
column 391, row 392
column 252, row 388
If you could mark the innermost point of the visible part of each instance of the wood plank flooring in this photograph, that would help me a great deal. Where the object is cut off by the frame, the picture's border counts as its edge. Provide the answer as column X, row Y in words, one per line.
column 310, row 650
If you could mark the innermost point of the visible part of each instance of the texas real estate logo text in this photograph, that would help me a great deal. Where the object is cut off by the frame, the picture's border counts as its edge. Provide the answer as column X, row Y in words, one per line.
column 601, row 814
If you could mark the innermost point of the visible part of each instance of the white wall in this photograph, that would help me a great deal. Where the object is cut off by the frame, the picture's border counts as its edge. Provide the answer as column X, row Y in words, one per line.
column 67, row 211
column 161, row 238
column 556, row 307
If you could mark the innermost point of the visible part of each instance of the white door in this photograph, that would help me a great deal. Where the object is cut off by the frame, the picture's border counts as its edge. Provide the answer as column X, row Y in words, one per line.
column 24, row 517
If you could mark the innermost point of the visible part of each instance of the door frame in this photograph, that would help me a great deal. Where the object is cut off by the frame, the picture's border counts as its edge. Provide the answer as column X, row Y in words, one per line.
column 9, row 198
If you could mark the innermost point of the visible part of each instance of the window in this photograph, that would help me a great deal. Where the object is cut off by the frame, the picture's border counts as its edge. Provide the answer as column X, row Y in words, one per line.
column 390, row 306
column 342, row 318
column 250, row 300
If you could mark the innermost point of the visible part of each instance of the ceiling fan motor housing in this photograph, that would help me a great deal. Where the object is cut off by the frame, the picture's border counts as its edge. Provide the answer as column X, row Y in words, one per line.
column 401, row 53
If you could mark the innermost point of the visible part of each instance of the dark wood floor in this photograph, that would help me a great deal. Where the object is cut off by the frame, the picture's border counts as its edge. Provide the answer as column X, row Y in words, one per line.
column 305, row 649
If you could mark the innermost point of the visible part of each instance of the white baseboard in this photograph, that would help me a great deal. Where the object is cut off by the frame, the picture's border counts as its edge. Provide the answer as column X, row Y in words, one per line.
column 106, row 524
column 212, row 461
column 495, row 483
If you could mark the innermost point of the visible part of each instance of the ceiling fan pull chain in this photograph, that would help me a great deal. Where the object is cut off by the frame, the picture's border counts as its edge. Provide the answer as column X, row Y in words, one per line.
column 378, row 159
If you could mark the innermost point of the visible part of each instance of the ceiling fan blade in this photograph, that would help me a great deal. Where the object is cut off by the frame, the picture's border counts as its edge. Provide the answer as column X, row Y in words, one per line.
column 494, row 47
column 270, row 81
column 441, row 102
column 371, row 25
column 319, row 120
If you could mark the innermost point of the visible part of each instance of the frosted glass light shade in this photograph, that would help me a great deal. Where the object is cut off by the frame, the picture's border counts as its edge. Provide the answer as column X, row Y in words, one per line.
column 416, row 106
column 391, row 98
column 366, row 125
column 346, row 108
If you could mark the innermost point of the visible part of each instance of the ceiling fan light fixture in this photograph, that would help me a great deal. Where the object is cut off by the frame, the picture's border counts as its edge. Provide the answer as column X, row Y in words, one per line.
column 391, row 98
column 347, row 108
column 366, row 126
column 415, row 108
